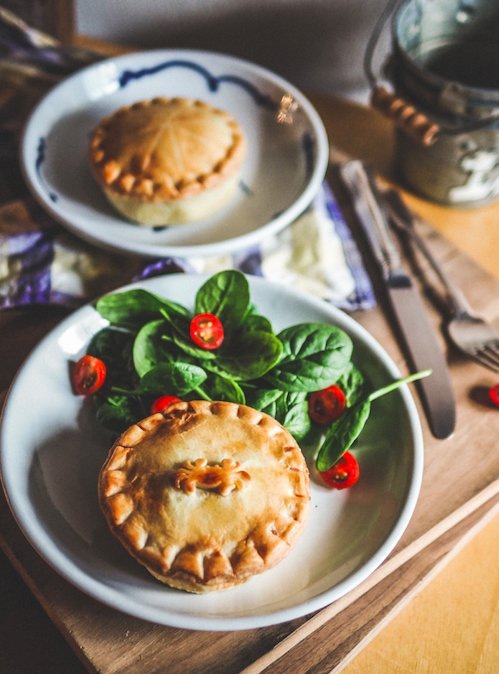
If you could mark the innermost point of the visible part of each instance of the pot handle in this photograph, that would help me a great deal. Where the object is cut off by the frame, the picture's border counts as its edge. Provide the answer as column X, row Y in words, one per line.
column 403, row 113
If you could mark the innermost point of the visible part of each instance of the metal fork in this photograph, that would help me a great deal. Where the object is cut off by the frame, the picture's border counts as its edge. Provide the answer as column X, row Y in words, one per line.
column 471, row 334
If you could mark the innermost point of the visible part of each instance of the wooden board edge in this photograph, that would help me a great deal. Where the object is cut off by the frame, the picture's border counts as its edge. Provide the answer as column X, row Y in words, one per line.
column 47, row 607
column 420, row 586
column 382, row 572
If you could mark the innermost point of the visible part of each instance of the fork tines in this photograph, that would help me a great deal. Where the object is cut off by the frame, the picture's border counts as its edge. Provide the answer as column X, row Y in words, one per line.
column 488, row 356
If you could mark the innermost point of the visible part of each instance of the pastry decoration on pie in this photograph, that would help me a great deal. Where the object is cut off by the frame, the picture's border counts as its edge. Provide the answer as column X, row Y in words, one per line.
column 206, row 494
column 167, row 161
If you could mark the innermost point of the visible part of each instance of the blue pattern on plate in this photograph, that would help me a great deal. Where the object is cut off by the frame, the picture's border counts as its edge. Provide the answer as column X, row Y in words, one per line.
column 41, row 155
column 213, row 82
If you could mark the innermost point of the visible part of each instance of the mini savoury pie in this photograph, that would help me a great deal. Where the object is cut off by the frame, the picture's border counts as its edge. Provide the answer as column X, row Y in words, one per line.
column 206, row 494
column 167, row 161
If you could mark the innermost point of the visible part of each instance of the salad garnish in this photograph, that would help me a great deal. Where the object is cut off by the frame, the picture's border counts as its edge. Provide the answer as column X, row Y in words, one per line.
column 494, row 395
column 206, row 331
column 343, row 433
column 156, row 351
column 327, row 405
column 162, row 403
column 88, row 375
column 344, row 473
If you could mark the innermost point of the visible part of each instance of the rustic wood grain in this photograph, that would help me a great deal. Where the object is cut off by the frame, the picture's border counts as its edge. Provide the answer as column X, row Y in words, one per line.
column 449, row 625
column 451, row 544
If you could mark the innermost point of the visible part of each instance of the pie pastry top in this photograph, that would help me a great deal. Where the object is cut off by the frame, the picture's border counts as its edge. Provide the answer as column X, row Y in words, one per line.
column 206, row 494
column 166, row 149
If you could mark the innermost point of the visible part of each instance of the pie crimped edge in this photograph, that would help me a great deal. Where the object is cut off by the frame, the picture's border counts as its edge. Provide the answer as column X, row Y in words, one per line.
column 133, row 170
column 250, row 529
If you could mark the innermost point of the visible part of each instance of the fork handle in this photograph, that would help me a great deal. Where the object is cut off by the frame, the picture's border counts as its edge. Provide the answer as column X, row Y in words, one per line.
column 404, row 221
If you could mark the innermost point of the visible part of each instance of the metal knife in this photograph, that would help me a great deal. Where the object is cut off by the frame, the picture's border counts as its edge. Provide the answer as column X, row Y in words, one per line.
column 421, row 344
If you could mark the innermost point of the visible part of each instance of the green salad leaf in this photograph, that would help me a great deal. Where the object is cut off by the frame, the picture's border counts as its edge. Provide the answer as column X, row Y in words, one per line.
column 343, row 433
column 148, row 348
column 254, row 354
column 227, row 295
column 314, row 355
column 133, row 308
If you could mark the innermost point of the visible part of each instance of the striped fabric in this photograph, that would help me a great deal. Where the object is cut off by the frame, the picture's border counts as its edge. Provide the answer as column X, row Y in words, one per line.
column 41, row 263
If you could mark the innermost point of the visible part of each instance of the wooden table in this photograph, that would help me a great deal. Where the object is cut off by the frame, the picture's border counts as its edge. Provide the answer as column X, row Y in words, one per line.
column 450, row 625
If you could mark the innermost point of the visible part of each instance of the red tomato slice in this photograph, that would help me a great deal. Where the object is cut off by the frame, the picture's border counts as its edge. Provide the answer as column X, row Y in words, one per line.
column 326, row 405
column 162, row 403
column 343, row 474
column 207, row 331
column 494, row 395
column 88, row 375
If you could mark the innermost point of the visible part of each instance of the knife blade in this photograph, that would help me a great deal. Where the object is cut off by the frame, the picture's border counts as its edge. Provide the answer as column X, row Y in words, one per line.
column 419, row 339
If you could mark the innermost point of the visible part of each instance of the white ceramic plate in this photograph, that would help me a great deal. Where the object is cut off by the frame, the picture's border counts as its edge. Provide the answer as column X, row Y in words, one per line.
column 52, row 449
column 286, row 160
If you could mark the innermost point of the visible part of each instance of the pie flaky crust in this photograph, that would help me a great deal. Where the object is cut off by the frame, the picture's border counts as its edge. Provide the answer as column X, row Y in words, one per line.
column 166, row 149
column 206, row 494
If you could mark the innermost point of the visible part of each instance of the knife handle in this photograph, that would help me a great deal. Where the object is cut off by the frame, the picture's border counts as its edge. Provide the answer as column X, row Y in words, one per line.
column 367, row 204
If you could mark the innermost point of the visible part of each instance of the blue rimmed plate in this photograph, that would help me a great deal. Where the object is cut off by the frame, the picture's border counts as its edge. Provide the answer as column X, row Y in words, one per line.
column 286, row 160
column 49, row 469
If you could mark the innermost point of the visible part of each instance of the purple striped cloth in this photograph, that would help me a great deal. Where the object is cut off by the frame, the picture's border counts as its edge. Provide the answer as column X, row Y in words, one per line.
column 41, row 263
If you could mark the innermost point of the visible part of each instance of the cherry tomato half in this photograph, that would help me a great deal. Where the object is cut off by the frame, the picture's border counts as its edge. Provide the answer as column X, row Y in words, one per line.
column 494, row 395
column 207, row 331
column 343, row 474
column 326, row 405
column 88, row 375
column 162, row 403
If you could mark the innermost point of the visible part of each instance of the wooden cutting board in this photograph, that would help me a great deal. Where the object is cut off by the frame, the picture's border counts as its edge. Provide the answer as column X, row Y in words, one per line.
column 461, row 483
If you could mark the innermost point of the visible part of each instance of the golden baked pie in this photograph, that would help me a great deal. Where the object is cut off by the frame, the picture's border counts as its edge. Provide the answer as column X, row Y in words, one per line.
column 206, row 494
column 167, row 160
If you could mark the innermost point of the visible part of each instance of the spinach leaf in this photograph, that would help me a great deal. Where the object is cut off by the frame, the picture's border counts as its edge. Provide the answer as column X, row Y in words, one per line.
column 352, row 384
column 295, row 416
column 148, row 348
column 177, row 378
column 264, row 399
column 116, row 413
column 227, row 296
column 394, row 385
column 314, row 356
column 190, row 349
column 252, row 356
column 254, row 322
column 342, row 434
column 289, row 408
column 114, row 347
column 108, row 342
column 133, row 308
column 218, row 387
